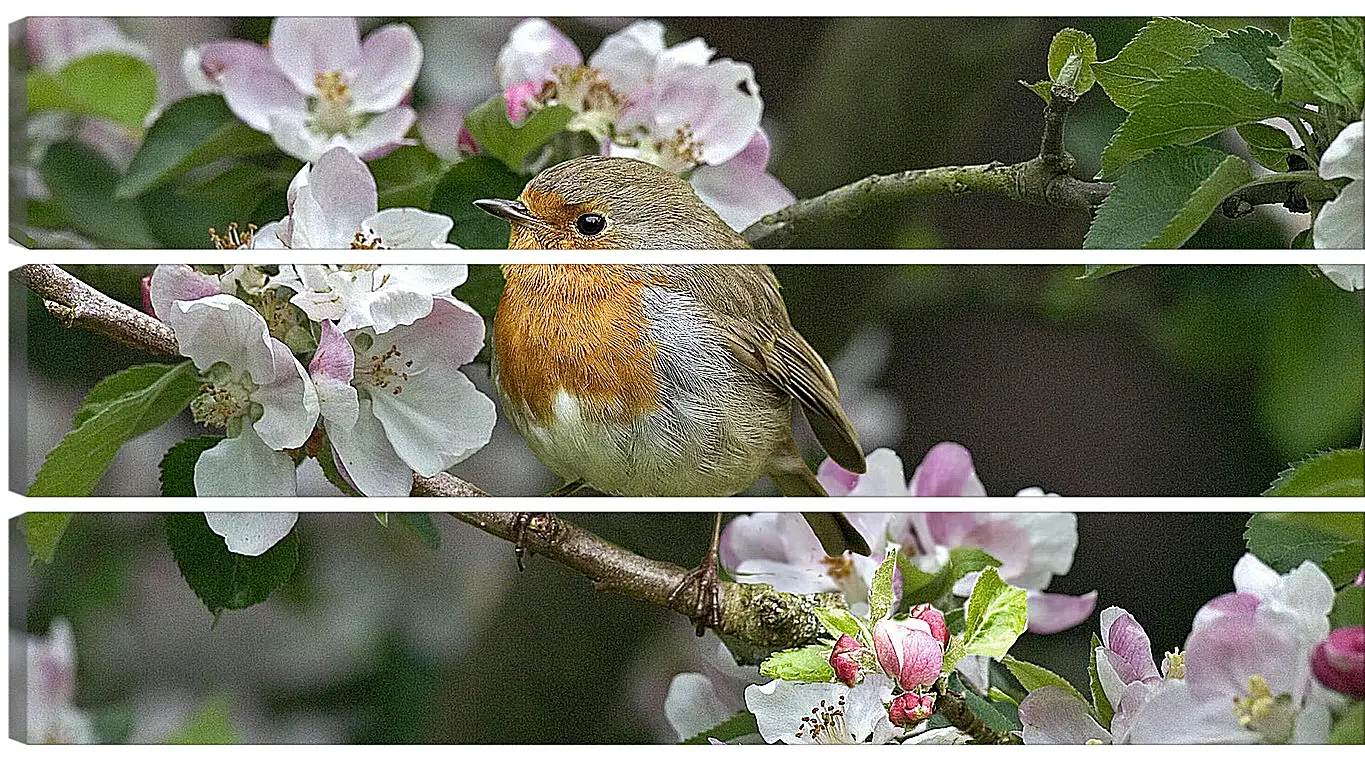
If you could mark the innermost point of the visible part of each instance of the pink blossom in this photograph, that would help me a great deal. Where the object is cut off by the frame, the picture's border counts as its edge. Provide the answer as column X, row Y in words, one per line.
column 908, row 652
column 910, row 708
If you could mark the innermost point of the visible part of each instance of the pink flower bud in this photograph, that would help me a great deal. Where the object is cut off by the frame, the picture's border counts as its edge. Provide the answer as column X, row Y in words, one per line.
column 908, row 652
column 844, row 659
column 520, row 98
column 1339, row 661
column 910, row 708
column 938, row 627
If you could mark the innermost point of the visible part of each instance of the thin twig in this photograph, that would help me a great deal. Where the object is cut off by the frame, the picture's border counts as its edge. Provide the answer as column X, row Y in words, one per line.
column 1045, row 180
column 77, row 305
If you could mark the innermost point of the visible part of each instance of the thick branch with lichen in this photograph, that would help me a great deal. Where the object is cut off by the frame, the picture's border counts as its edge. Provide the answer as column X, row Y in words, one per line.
column 756, row 615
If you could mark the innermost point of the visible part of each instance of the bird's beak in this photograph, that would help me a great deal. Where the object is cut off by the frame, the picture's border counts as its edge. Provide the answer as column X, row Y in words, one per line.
column 511, row 210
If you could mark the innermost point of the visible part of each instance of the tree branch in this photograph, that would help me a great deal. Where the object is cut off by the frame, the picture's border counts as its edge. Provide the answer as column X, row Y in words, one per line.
column 1044, row 180
column 77, row 305
column 953, row 706
column 755, row 615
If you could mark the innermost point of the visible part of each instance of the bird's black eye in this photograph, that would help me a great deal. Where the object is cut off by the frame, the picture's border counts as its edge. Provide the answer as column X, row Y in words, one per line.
column 590, row 224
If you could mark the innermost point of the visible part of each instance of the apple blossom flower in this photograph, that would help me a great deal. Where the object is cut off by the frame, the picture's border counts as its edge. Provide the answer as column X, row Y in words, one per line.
column 1340, row 223
column 780, row 549
column 1305, row 594
column 1339, row 661
column 316, row 85
column 1125, row 654
column 908, row 652
column 50, row 687
column 1347, row 277
column 674, row 107
column 251, row 533
column 254, row 388
column 395, row 403
column 378, row 296
column 334, row 203
column 823, row 713
column 910, row 708
column 844, row 659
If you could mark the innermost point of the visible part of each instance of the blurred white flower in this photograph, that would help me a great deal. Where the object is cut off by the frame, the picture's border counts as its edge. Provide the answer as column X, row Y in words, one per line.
column 53, row 718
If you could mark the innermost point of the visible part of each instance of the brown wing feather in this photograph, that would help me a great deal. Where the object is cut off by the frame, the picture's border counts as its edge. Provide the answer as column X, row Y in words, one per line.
column 755, row 322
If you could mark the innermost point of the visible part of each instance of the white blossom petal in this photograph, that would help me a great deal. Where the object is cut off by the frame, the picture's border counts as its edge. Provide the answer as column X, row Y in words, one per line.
column 382, row 134
column 1341, row 222
column 288, row 399
column 179, row 282
column 244, row 466
column 389, row 60
column 410, row 228
column 251, row 533
column 223, row 328
column 533, row 49
column 368, row 458
column 303, row 48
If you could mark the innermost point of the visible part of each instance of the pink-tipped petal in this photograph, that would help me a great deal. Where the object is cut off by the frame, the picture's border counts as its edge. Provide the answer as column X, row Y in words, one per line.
column 946, row 471
column 534, row 48
column 1049, row 612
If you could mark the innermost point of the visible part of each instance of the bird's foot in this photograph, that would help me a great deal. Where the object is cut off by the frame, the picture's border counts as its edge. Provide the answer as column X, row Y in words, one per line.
column 698, row 595
column 539, row 523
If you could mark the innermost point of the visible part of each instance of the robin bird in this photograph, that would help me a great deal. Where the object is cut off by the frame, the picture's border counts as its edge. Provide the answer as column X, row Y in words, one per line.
column 656, row 379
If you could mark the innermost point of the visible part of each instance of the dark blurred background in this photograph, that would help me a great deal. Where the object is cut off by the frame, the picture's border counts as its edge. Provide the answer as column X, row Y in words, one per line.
column 378, row 639
column 1159, row 380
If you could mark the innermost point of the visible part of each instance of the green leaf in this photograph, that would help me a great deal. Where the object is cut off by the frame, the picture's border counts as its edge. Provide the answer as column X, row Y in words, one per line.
column 1188, row 106
column 114, row 86
column 407, row 176
column 470, row 180
column 177, row 466
column 1104, row 711
column 211, row 724
column 920, row 587
column 738, row 725
column 1043, row 88
column 190, row 133
column 43, row 531
column 82, row 185
column 420, row 524
column 996, row 616
column 1244, row 54
column 496, row 135
column 75, row 465
column 116, row 385
column 1284, row 540
column 881, row 598
column 326, row 457
column 1096, row 271
column 953, row 654
column 1330, row 473
column 1350, row 726
column 1159, row 48
column 1163, row 199
column 1269, row 145
column 221, row 579
column 1324, row 61
column 1349, row 608
column 1065, row 44
column 483, row 288
column 802, row 665
column 992, row 714
column 965, row 560
column 1032, row 676
column 1303, row 240
column 839, row 622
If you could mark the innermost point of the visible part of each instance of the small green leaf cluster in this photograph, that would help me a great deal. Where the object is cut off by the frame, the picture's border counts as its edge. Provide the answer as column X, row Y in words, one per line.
column 1182, row 84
